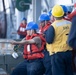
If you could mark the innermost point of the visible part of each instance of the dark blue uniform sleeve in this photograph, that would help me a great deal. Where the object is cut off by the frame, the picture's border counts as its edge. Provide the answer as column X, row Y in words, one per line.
column 72, row 35
column 50, row 33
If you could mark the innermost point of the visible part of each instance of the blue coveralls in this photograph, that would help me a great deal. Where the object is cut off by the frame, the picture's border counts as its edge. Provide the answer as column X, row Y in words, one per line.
column 29, row 67
column 47, row 61
column 72, row 39
column 61, row 61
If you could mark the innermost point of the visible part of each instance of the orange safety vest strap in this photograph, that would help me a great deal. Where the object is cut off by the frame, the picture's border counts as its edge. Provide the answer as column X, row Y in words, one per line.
column 37, row 52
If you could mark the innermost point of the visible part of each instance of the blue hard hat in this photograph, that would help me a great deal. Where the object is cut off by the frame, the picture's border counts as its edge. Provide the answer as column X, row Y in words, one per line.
column 31, row 26
column 64, row 8
column 49, row 13
column 44, row 17
column 24, row 19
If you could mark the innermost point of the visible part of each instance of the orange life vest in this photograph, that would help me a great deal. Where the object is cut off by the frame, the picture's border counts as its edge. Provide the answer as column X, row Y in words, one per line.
column 45, row 27
column 34, row 51
column 70, row 16
column 20, row 31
